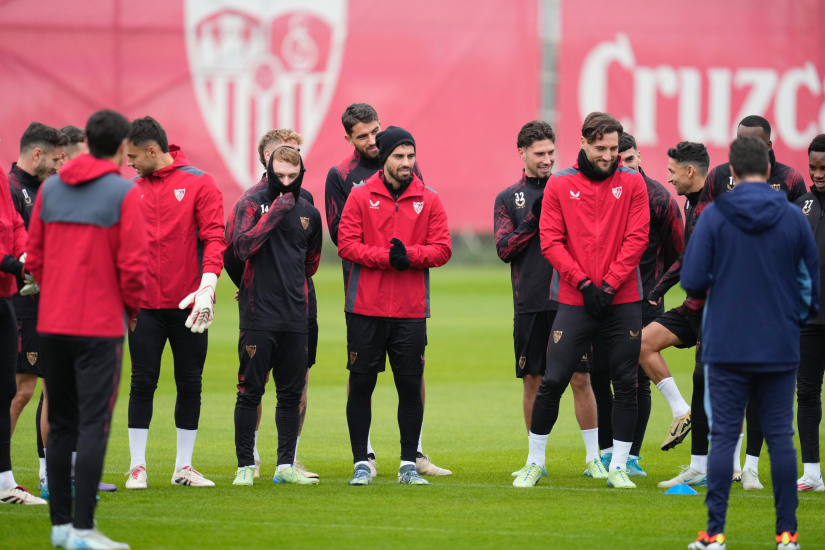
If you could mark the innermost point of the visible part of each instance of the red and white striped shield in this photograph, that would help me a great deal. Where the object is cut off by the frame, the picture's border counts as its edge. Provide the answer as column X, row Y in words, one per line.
column 262, row 64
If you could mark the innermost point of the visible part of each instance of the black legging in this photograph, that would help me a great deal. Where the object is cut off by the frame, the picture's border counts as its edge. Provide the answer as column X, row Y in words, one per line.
column 8, row 378
column 359, row 412
column 600, row 381
column 809, row 391
column 146, row 342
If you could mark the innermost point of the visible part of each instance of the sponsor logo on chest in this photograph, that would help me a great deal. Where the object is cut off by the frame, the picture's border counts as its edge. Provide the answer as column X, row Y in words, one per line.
column 374, row 205
column 576, row 196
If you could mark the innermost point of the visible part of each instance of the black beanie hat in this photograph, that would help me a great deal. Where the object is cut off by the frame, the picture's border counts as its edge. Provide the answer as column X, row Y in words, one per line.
column 274, row 184
column 389, row 139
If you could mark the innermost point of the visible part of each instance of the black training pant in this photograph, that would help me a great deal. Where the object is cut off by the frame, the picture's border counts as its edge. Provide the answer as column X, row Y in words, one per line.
column 8, row 378
column 618, row 337
column 600, row 381
column 83, row 375
column 147, row 338
column 370, row 340
column 285, row 353
column 809, row 390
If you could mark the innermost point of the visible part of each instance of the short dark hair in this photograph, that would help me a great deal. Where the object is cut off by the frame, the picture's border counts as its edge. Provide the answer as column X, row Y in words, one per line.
column 355, row 113
column 691, row 153
column 627, row 142
column 533, row 131
column 756, row 121
column 817, row 145
column 749, row 156
column 106, row 130
column 40, row 135
column 148, row 129
column 597, row 124
column 73, row 134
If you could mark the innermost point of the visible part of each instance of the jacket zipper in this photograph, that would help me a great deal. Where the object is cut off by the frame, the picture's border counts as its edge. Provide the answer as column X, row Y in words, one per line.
column 157, row 233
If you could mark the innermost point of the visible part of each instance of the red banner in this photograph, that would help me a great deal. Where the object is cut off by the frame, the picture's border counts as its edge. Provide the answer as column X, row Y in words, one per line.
column 461, row 76
column 691, row 71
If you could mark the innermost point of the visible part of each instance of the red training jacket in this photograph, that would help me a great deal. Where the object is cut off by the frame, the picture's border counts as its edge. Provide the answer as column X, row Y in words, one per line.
column 12, row 236
column 595, row 229
column 87, row 249
column 184, row 215
column 371, row 218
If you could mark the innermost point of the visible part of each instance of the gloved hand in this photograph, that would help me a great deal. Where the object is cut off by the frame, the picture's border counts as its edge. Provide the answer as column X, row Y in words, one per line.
column 608, row 292
column 203, row 304
column 30, row 286
column 536, row 208
column 398, row 255
column 593, row 299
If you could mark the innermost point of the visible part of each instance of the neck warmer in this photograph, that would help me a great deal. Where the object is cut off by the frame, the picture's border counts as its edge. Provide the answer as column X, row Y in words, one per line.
column 590, row 172
column 276, row 188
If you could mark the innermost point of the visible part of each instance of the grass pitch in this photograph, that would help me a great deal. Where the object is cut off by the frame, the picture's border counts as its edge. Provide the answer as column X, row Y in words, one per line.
column 473, row 425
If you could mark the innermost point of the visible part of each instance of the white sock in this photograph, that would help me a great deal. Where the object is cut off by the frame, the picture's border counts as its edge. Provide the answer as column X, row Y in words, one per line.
column 621, row 450
column 812, row 470
column 283, row 467
column 406, row 463
column 678, row 405
column 82, row 532
column 255, row 448
column 609, row 450
column 296, row 447
column 633, row 457
column 370, row 450
column 7, row 481
column 538, row 446
column 752, row 462
column 420, row 435
column 737, row 455
column 186, row 446
column 137, row 446
column 43, row 466
column 591, row 444
column 74, row 460
column 699, row 463
column 364, row 462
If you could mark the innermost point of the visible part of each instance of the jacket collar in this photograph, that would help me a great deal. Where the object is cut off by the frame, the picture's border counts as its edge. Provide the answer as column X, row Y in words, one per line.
column 24, row 177
column 179, row 159
column 376, row 185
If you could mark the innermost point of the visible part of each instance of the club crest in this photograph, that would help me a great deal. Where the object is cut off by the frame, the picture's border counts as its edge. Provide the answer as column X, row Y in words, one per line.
column 418, row 206
column 263, row 64
column 133, row 324
column 179, row 193
column 305, row 222
column 32, row 357
column 556, row 336
column 250, row 350
column 522, row 362
column 352, row 356
column 617, row 191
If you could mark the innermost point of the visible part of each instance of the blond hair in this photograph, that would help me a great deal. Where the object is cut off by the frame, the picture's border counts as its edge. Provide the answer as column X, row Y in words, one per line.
column 287, row 154
column 276, row 137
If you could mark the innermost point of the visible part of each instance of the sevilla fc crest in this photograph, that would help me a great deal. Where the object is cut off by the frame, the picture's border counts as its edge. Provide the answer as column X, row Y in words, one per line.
column 179, row 193
column 617, row 192
column 262, row 64
column 418, row 206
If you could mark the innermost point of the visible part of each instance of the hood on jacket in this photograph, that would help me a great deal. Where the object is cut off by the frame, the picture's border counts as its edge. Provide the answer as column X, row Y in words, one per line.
column 85, row 168
column 752, row 207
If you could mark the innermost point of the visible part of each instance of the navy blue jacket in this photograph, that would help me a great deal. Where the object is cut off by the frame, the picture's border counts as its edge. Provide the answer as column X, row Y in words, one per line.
column 753, row 252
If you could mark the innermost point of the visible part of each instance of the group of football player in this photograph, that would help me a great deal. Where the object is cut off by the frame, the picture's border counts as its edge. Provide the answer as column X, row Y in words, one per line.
column 154, row 248
column 589, row 277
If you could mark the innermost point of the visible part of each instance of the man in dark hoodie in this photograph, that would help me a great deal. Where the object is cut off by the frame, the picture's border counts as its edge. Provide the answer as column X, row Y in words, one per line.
column 278, row 235
column 87, row 249
column 753, row 257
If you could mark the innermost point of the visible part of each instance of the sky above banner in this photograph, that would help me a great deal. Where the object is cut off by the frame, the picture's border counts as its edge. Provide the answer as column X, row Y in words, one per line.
column 461, row 76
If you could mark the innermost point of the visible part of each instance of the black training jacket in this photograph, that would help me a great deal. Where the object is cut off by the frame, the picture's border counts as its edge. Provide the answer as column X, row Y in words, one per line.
column 813, row 208
column 518, row 243
column 24, row 188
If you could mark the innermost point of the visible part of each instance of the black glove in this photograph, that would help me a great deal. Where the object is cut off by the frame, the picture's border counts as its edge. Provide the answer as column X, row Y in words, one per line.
column 608, row 292
column 593, row 299
column 398, row 255
column 12, row 265
column 536, row 208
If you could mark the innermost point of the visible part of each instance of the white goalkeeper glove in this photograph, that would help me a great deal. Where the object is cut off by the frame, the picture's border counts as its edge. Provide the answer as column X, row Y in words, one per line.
column 203, row 304
column 30, row 286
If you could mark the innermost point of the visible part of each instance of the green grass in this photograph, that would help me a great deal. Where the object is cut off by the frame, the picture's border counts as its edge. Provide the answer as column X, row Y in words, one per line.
column 473, row 425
